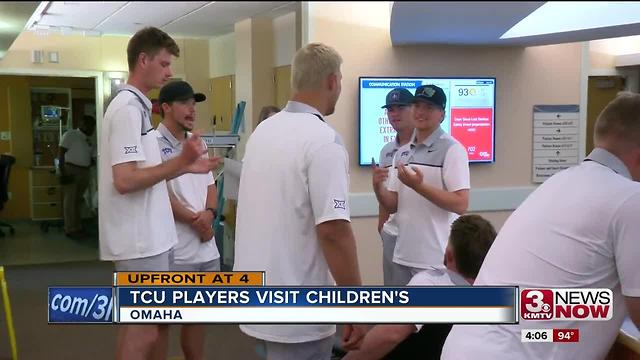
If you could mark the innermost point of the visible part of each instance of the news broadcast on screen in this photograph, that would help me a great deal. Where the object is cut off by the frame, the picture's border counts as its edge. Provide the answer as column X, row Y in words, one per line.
column 242, row 298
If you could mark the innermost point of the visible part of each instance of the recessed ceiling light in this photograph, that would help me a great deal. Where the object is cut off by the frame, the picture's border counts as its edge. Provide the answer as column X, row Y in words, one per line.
column 552, row 17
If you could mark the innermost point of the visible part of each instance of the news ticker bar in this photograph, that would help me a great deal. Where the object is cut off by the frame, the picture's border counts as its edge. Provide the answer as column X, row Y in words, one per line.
column 291, row 305
column 164, row 278
column 550, row 335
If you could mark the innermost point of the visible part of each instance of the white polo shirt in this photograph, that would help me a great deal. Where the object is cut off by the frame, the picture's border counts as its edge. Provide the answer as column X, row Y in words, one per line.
column 137, row 224
column 579, row 229
column 191, row 192
column 423, row 227
column 437, row 276
column 294, row 177
column 386, row 161
column 79, row 151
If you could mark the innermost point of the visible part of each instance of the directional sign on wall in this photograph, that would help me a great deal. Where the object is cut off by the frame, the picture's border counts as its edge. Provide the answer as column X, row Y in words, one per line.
column 555, row 139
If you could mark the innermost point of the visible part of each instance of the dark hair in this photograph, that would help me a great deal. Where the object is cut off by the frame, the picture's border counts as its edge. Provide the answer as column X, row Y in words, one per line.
column 150, row 41
column 471, row 237
column 88, row 120
column 266, row 110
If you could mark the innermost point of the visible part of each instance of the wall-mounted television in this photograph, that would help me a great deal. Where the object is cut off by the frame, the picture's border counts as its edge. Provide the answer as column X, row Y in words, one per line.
column 469, row 114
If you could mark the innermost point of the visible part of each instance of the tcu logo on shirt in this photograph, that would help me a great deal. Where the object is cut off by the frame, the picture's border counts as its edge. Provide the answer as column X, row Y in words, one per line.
column 131, row 149
column 167, row 151
column 404, row 157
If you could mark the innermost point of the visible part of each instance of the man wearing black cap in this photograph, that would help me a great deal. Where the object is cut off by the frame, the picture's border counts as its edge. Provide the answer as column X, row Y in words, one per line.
column 193, row 199
column 431, row 187
column 398, row 108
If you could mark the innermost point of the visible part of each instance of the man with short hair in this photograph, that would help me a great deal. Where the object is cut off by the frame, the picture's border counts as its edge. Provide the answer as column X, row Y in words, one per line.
column 579, row 229
column 137, row 231
column 398, row 108
column 75, row 158
column 470, row 240
column 431, row 187
column 293, row 210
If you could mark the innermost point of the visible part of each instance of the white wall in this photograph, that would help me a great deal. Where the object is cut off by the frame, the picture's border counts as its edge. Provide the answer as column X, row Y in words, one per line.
column 284, row 31
column 222, row 55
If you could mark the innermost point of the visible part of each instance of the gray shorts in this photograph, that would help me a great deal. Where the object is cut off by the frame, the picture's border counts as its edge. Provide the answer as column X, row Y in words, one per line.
column 158, row 262
column 312, row 350
column 213, row 265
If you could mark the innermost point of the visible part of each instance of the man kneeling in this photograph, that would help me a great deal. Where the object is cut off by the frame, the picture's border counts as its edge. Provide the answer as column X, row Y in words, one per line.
column 470, row 239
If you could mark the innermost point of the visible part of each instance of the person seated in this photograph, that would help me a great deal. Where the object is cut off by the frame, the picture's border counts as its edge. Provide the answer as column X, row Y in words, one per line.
column 469, row 241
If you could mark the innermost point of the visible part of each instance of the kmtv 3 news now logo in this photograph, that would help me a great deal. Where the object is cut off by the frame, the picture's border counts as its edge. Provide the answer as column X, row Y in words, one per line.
column 566, row 304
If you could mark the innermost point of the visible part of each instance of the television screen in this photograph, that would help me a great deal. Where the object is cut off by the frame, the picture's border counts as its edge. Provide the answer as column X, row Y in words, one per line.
column 469, row 114
column 51, row 113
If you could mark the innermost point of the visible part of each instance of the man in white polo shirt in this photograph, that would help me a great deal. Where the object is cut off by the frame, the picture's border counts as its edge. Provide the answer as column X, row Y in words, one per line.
column 398, row 108
column 429, row 189
column 193, row 199
column 75, row 158
column 136, row 228
column 579, row 229
column 293, row 208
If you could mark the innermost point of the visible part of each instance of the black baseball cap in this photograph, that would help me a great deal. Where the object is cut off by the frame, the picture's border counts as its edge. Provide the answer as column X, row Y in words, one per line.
column 179, row 91
column 398, row 96
column 431, row 94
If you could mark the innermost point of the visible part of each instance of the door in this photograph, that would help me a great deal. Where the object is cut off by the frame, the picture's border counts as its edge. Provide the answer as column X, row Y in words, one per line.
column 282, row 77
column 222, row 102
column 602, row 89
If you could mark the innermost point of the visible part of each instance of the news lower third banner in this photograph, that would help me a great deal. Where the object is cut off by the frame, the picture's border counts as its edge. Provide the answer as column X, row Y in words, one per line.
column 235, row 298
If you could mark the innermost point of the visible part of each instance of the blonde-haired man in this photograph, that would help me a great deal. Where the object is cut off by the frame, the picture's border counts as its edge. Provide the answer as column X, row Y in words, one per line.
column 293, row 209
column 577, row 230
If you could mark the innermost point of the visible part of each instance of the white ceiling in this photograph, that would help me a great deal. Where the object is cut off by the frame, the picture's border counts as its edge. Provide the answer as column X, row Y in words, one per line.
column 484, row 22
column 185, row 19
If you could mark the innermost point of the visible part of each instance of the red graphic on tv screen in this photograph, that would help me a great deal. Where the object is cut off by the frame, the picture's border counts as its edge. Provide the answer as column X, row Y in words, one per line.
column 473, row 127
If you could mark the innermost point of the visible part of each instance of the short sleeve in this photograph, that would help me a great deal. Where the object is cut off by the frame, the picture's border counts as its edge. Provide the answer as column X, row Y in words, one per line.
column 455, row 170
column 125, row 138
column 66, row 140
column 625, row 228
column 328, row 178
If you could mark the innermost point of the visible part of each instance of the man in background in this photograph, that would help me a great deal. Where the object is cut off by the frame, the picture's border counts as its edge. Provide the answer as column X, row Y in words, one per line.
column 75, row 158
column 398, row 108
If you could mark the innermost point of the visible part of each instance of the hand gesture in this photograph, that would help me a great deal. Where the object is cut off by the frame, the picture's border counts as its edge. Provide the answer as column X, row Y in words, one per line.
column 412, row 177
column 193, row 148
column 380, row 175
column 204, row 165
